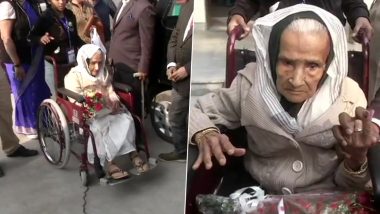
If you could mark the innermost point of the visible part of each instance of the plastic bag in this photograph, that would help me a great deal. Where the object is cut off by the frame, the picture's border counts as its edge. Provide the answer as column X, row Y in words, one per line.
column 328, row 202
column 95, row 39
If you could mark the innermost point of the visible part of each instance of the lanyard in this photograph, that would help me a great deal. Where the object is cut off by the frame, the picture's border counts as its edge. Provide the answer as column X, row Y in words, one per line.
column 65, row 24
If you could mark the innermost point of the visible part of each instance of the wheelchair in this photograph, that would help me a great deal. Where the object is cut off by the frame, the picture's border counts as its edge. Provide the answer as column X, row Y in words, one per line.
column 213, row 181
column 61, row 124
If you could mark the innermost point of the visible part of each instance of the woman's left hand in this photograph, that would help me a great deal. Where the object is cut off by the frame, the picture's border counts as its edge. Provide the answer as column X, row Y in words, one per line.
column 19, row 73
column 356, row 135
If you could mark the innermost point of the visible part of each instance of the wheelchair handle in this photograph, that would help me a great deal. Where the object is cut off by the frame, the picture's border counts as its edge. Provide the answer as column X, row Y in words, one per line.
column 137, row 75
column 230, row 61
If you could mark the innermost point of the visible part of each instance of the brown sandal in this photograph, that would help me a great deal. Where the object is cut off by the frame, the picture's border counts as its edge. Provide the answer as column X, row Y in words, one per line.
column 116, row 173
column 138, row 163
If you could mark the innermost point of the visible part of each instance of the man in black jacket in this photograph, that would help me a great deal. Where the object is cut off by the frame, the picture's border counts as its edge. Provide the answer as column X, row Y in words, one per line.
column 355, row 11
column 178, row 71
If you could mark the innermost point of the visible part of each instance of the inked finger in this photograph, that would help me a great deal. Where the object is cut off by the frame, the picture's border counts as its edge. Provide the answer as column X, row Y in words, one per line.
column 347, row 123
column 360, row 113
column 357, row 136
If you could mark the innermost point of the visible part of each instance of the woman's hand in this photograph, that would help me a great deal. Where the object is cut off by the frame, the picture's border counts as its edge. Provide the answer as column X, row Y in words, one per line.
column 356, row 135
column 215, row 144
column 19, row 72
column 46, row 39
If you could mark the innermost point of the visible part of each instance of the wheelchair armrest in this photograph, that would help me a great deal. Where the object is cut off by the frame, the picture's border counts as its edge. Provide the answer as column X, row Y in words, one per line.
column 122, row 87
column 66, row 92
column 374, row 166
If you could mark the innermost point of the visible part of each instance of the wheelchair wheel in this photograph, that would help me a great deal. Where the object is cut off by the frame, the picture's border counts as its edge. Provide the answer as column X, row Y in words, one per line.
column 159, row 115
column 53, row 133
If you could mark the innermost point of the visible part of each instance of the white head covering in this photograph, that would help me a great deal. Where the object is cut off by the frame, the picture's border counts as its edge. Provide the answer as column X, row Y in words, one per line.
column 87, row 51
column 328, row 91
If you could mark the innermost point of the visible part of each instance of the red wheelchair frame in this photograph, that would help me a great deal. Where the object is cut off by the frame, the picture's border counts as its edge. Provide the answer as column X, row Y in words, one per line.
column 204, row 181
column 63, row 122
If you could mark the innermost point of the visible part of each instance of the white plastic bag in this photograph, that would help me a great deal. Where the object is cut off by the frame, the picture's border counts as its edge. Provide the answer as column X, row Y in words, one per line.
column 95, row 39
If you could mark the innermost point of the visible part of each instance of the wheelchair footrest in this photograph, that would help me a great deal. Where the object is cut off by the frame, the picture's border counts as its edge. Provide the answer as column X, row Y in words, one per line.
column 108, row 181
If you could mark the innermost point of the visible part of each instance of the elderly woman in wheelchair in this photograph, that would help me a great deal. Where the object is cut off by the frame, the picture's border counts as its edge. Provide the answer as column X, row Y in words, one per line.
column 307, row 124
column 113, row 131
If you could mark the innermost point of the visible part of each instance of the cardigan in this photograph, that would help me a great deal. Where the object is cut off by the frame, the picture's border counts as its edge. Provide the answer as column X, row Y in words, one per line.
column 302, row 162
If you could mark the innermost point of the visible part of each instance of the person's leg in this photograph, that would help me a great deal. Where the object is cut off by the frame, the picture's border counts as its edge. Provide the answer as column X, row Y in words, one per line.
column 1, row 172
column 9, row 141
column 49, row 78
column 178, row 121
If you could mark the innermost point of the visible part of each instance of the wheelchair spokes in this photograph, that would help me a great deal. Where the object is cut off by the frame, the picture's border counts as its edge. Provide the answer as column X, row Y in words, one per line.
column 53, row 134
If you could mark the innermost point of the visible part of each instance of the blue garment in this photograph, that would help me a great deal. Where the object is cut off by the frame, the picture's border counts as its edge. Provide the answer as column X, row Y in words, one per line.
column 31, row 91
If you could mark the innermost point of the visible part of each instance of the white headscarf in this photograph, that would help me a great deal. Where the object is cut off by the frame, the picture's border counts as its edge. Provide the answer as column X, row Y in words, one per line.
column 328, row 91
column 87, row 51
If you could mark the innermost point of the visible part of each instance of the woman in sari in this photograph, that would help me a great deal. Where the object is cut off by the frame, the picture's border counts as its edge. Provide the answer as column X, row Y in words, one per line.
column 23, row 62
column 115, row 132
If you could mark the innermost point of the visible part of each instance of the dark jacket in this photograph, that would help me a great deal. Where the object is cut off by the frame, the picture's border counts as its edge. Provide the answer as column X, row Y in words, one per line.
column 179, row 49
column 132, row 36
column 20, row 33
column 353, row 9
column 51, row 23
column 105, row 9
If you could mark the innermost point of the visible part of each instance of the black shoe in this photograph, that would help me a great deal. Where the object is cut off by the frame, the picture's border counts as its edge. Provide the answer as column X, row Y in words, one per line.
column 172, row 156
column 23, row 152
column 1, row 172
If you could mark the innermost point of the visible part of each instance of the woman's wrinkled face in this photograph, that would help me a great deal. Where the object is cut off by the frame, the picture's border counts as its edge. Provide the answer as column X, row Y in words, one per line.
column 301, row 64
column 96, row 63
column 58, row 5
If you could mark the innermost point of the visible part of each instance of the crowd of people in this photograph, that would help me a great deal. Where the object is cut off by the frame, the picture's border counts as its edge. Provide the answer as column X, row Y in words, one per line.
column 32, row 30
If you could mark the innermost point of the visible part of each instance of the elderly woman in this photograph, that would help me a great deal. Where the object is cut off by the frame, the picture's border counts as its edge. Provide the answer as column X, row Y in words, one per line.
column 114, row 133
column 289, row 101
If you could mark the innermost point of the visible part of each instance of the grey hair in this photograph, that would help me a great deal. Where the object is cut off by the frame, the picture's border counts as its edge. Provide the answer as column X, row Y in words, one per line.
column 306, row 26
